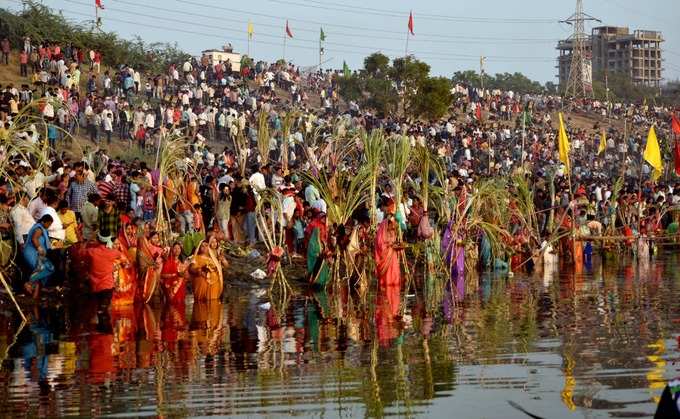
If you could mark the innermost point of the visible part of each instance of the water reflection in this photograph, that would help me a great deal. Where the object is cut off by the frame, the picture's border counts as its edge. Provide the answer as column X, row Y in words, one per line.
column 601, row 341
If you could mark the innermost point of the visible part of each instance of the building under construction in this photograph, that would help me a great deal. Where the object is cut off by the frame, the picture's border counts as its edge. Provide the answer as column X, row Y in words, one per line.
column 616, row 49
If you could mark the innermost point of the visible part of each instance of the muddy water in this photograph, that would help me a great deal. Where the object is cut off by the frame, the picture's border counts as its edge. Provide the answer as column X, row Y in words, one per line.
column 600, row 343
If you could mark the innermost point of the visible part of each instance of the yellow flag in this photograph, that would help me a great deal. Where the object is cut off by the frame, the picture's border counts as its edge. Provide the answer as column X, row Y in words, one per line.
column 603, row 143
column 652, row 153
column 250, row 30
column 564, row 145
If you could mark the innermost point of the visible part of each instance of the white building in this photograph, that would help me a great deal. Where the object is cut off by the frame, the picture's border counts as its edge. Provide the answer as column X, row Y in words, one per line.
column 216, row 56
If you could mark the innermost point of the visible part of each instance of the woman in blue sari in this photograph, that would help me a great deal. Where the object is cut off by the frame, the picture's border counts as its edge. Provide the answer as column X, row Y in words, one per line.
column 35, row 255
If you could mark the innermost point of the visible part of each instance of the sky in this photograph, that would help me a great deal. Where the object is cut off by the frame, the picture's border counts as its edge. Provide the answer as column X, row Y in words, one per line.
column 518, row 35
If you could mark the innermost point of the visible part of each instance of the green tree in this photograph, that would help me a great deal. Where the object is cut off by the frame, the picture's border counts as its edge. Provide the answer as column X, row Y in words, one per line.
column 551, row 88
column 377, row 65
column 351, row 88
column 382, row 96
column 469, row 77
column 432, row 99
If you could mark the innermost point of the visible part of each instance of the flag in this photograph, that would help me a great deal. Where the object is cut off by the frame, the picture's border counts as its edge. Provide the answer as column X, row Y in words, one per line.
column 564, row 145
column 675, row 125
column 652, row 154
column 322, row 36
column 478, row 112
column 250, row 30
column 345, row 70
column 98, row 4
column 288, row 32
column 603, row 143
column 410, row 23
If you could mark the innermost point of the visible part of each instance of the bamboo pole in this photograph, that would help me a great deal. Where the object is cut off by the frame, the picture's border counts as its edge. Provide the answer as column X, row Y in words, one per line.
column 11, row 295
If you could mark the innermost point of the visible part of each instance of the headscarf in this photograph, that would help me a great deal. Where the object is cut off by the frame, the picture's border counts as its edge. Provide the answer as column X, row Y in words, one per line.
column 106, row 240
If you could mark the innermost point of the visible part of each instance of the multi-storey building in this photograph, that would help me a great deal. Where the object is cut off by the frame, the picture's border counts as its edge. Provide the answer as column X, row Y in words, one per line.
column 616, row 49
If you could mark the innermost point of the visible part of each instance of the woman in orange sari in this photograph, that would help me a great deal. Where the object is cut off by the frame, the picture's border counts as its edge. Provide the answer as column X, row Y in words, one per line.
column 126, row 274
column 172, row 276
column 206, row 273
column 149, row 262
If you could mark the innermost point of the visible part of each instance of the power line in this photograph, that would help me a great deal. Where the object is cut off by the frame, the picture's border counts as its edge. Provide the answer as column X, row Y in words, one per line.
column 467, row 38
column 314, row 42
column 314, row 22
column 216, row 36
column 391, row 13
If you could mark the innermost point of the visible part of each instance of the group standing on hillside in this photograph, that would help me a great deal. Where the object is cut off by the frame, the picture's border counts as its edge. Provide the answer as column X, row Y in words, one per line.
column 95, row 217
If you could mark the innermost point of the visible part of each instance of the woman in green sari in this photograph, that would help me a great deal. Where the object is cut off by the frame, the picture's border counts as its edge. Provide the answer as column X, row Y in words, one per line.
column 317, row 267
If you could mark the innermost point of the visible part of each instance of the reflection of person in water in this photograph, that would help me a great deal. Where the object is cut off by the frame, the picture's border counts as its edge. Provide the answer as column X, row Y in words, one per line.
column 35, row 346
column 206, row 326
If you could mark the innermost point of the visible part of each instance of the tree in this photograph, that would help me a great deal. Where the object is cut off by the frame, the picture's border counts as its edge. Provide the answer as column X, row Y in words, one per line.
column 551, row 88
column 468, row 77
column 432, row 99
column 409, row 72
column 351, row 88
column 382, row 96
column 377, row 65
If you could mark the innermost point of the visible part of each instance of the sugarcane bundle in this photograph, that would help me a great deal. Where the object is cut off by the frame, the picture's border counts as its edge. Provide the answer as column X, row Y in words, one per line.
column 373, row 144
column 263, row 137
column 173, row 167
column 242, row 151
column 269, row 218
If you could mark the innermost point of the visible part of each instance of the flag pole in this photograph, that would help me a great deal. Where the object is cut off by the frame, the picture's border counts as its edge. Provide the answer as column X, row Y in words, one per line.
column 524, row 135
column 406, row 49
column 285, row 35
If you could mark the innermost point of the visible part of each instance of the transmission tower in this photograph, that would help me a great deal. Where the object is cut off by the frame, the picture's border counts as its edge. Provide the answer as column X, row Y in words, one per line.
column 576, row 83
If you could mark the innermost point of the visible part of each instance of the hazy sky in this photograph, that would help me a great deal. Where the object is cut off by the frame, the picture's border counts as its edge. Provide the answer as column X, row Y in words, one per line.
column 450, row 35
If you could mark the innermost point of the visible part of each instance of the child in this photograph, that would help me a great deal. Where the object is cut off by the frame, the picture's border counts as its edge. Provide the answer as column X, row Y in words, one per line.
column 148, row 203
column 52, row 134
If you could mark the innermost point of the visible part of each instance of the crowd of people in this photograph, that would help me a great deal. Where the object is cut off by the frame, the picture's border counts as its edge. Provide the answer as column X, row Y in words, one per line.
column 94, row 217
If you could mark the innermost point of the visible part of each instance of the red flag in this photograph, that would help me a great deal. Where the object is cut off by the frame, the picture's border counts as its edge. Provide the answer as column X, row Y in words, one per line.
column 478, row 112
column 410, row 23
column 675, row 124
column 98, row 4
column 288, row 32
column 676, row 157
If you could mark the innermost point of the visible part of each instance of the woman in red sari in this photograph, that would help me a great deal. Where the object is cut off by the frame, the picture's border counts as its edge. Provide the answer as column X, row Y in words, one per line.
column 172, row 276
column 388, row 269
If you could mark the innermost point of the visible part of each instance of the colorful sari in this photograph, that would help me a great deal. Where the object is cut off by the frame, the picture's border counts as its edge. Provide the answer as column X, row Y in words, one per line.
column 317, row 268
column 174, row 285
column 388, row 270
column 41, row 267
column 207, row 285
column 147, row 257
column 124, row 280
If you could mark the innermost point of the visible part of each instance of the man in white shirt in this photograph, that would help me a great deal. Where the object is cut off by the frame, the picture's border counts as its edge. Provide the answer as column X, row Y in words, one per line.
column 150, row 120
column 36, row 205
column 21, row 218
column 311, row 194
column 56, row 230
column 257, row 181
